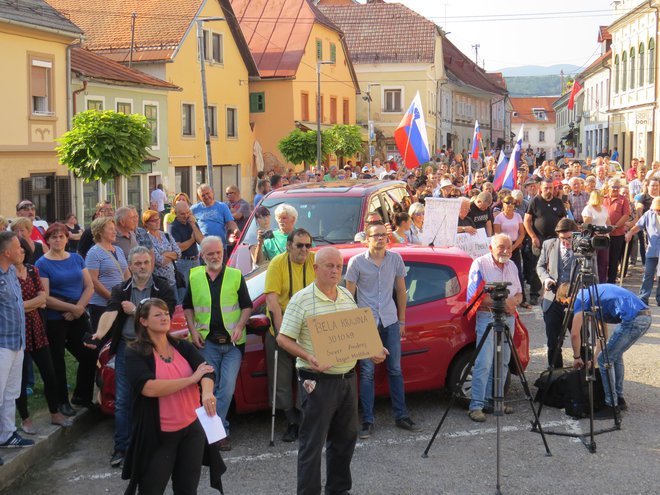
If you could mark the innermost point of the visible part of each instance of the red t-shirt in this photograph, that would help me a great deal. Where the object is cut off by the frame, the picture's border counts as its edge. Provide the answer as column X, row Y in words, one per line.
column 177, row 410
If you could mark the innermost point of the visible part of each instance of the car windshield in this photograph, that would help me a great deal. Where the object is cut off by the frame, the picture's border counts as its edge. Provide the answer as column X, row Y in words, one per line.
column 256, row 282
column 330, row 219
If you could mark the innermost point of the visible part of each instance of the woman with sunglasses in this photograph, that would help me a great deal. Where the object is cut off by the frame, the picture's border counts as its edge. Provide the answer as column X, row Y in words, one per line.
column 166, row 375
column 166, row 249
column 511, row 223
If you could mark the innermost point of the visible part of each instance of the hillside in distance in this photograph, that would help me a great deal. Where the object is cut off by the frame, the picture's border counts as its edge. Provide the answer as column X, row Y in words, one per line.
column 536, row 80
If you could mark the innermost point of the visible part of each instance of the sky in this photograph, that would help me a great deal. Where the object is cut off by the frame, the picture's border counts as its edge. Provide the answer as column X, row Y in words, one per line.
column 521, row 32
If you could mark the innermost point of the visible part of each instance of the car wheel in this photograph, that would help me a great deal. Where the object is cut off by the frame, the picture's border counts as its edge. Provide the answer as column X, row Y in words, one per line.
column 456, row 370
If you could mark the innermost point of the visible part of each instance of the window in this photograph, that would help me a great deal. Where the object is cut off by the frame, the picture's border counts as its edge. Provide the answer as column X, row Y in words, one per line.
column 217, row 48
column 333, row 109
column 232, row 122
column 540, row 113
column 205, row 43
column 633, row 74
column 187, row 119
column 346, row 112
column 333, row 53
column 426, row 282
column 182, row 180
column 257, row 102
column 151, row 113
column 641, row 64
column 304, row 107
column 616, row 74
column 41, row 87
column 213, row 120
column 651, row 56
column 624, row 71
column 541, row 136
column 319, row 50
column 134, row 192
column 392, row 100
column 95, row 105
column 125, row 107
column 525, row 136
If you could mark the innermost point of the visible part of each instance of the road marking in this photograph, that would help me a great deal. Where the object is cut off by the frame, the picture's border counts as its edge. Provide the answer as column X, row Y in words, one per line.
column 99, row 476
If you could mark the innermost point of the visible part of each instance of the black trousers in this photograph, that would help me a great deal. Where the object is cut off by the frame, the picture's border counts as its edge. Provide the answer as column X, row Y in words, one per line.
column 330, row 417
column 179, row 456
column 44, row 361
column 529, row 269
column 516, row 257
column 553, row 319
column 68, row 335
column 617, row 244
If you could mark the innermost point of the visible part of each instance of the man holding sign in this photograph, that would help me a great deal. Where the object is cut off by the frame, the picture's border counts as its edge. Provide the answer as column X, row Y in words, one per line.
column 329, row 392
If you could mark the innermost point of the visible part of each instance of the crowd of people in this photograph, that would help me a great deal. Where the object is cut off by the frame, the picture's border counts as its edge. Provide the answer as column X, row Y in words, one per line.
column 63, row 287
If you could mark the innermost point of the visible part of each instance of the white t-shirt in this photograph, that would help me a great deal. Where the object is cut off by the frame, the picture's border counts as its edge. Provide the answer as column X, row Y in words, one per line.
column 510, row 226
column 159, row 196
column 598, row 218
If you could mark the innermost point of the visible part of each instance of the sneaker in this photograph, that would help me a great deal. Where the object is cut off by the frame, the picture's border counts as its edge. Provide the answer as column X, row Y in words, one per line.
column 477, row 415
column 291, row 434
column 224, row 445
column 117, row 458
column 623, row 406
column 16, row 441
column 366, row 431
column 407, row 424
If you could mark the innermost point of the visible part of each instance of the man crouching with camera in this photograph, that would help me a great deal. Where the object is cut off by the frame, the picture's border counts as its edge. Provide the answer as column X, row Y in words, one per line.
column 495, row 266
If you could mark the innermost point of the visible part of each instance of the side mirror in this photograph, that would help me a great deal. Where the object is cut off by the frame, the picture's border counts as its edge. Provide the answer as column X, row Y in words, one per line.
column 258, row 324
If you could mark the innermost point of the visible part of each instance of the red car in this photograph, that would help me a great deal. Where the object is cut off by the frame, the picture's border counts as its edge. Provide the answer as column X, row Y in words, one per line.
column 438, row 343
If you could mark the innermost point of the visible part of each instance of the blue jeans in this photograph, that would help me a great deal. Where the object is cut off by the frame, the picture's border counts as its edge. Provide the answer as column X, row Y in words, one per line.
column 647, row 281
column 391, row 337
column 625, row 335
column 226, row 360
column 482, row 372
column 123, row 401
column 184, row 266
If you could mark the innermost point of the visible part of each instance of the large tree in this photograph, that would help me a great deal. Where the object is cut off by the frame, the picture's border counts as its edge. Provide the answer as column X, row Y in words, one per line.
column 105, row 145
column 346, row 140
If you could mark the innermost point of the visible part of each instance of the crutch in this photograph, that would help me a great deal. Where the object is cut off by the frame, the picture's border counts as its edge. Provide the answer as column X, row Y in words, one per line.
column 622, row 271
column 272, row 411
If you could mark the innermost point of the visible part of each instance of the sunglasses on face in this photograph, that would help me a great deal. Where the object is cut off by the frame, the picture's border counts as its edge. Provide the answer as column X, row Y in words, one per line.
column 301, row 245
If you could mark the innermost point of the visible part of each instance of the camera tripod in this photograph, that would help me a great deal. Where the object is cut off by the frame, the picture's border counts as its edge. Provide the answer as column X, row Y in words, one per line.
column 591, row 332
column 500, row 330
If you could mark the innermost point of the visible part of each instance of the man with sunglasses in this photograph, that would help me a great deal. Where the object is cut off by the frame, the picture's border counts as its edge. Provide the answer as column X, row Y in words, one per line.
column 373, row 277
column 287, row 273
column 119, row 320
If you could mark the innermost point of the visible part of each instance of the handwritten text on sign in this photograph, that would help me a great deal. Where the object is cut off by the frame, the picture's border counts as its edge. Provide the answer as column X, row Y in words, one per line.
column 344, row 336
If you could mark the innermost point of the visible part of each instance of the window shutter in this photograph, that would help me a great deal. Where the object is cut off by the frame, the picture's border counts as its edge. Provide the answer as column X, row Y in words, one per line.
column 62, row 196
column 333, row 52
column 254, row 102
column 26, row 188
column 319, row 50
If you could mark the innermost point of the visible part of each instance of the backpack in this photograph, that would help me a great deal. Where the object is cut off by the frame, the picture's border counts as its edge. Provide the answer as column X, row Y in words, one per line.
column 569, row 389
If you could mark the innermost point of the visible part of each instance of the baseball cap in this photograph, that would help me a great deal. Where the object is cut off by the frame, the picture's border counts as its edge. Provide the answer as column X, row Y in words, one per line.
column 365, row 169
column 445, row 183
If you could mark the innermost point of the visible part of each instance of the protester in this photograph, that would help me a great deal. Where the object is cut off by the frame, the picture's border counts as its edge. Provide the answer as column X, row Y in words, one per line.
column 129, row 234
column 12, row 341
column 263, row 188
column 416, row 212
column 239, row 208
column 649, row 223
column 36, row 345
column 262, row 216
column 368, row 277
column 103, row 209
column 510, row 223
column 480, row 212
column 329, row 394
column 166, row 250
column 166, row 375
column 619, row 213
column 75, row 232
column 220, row 331
column 69, row 288
column 186, row 233
column 286, row 217
column 495, row 266
column 287, row 273
column 119, row 319
column 213, row 217
column 23, row 228
column 26, row 209
column 159, row 197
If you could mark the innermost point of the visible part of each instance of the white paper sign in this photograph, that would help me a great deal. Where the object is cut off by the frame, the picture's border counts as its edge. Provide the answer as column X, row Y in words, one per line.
column 212, row 425
column 475, row 245
column 440, row 221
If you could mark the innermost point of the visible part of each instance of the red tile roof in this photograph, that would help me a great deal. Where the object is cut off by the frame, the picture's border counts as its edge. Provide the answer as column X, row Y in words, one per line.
column 384, row 32
column 497, row 78
column 469, row 73
column 524, row 106
column 603, row 34
column 88, row 65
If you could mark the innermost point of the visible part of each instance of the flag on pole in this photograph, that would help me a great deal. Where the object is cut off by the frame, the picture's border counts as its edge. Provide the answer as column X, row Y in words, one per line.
column 410, row 136
column 506, row 173
column 571, row 99
column 474, row 154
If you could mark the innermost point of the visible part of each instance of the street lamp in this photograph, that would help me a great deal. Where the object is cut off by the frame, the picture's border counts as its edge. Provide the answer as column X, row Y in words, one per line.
column 205, row 103
column 369, row 122
column 319, row 63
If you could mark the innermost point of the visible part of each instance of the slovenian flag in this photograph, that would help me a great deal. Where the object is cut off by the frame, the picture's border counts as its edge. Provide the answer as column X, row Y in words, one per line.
column 476, row 284
column 474, row 154
column 506, row 173
column 410, row 136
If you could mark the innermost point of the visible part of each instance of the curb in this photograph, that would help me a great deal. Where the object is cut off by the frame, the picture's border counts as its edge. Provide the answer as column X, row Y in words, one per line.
column 48, row 442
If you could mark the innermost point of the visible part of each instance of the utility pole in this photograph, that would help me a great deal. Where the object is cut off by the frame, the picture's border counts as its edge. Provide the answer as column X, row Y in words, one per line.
column 476, row 53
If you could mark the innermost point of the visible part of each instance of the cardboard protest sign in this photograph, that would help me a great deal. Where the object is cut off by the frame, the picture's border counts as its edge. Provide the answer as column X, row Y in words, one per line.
column 440, row 221
column 475, row 245
column 344, row 336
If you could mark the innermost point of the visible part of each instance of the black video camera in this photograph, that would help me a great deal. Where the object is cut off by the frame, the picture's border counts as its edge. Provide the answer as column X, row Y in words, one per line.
column 590, row 239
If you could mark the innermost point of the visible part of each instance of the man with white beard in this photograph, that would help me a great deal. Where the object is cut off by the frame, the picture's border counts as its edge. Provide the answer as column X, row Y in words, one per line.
column 496, row 266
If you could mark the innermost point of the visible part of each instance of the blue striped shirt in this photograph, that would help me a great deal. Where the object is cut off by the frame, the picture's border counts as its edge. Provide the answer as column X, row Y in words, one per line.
column 111, row 270
column 12, row 315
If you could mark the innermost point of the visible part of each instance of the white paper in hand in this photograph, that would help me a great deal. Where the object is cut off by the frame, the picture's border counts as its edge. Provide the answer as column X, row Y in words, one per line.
column 212, row 425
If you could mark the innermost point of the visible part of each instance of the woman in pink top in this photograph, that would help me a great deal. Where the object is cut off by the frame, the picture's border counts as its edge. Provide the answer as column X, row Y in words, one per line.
column 165, row 374
column 511, row 223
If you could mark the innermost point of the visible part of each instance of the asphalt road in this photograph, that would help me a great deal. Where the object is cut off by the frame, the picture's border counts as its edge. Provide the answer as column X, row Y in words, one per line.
column 462, row 460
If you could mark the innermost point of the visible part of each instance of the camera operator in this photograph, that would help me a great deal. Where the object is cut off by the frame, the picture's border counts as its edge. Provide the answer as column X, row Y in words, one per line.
column 495, row 266
column 617, row 305
column 555, row 265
